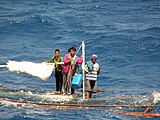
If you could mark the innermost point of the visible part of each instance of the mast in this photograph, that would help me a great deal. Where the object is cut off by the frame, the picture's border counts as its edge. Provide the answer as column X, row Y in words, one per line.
column 83, row 66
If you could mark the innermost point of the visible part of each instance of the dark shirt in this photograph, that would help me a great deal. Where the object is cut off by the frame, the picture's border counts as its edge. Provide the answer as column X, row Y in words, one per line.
column 58, row 67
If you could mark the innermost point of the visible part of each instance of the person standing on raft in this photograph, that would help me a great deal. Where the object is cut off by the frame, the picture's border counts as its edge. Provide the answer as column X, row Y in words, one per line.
column 92, row 70
column 71, row 62
column 58, row 60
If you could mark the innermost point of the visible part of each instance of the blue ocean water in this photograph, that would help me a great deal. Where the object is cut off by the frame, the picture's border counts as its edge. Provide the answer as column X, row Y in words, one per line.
column 125, row 34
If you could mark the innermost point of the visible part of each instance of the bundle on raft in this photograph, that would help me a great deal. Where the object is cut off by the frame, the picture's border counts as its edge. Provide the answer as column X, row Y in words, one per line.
column 41, row 70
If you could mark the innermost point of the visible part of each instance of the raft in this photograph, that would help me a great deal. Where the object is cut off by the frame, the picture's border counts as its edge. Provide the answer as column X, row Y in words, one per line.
column 58, row 97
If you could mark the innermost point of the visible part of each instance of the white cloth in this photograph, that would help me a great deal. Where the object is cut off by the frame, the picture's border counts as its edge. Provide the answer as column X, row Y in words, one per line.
column 41, row 70
column 94, row 56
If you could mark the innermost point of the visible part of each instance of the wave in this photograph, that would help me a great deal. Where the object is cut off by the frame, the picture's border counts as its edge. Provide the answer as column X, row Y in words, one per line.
column 34, row 19
column 153, row 29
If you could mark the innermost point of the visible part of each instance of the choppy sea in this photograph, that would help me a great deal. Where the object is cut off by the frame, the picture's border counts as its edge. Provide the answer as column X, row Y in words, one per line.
column 125, row 35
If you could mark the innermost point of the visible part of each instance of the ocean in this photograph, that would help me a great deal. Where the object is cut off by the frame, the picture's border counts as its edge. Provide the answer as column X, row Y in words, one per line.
column 125, row 35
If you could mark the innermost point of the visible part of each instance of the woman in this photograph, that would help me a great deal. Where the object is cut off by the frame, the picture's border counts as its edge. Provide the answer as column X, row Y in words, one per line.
column 70, row 64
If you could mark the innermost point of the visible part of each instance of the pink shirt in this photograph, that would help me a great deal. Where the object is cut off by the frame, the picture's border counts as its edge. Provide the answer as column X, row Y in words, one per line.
column 67, row 64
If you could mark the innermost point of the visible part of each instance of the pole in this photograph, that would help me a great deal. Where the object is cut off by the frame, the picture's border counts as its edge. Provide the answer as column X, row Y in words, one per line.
column 83, row 65
column 3, row 66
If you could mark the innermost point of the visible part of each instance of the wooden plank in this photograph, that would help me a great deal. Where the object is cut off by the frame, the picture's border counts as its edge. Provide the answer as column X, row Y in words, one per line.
column 75, row 105
column 98, row 90
column 140, row 114
column 148, row 108
column 25, row 104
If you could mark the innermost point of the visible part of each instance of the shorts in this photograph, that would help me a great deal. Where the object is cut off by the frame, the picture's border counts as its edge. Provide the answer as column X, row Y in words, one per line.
column 91, row 86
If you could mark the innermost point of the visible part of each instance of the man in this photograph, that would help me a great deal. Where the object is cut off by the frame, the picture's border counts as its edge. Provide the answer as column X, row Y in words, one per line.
column 58, row 60
column 92, row 70
column 70, row 64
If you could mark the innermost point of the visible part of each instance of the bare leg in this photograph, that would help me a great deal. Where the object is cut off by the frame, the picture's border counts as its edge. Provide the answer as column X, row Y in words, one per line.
column 87, row 95
column 69, row 84
column 64, row 84
column 90, row 95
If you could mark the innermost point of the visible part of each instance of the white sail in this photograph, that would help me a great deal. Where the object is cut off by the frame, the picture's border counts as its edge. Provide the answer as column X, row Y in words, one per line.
column 41, row 70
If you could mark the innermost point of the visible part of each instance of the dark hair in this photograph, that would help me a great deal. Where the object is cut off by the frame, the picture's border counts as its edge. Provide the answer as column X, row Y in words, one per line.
column 72, row 48
column 69, row 50
column 57, row 50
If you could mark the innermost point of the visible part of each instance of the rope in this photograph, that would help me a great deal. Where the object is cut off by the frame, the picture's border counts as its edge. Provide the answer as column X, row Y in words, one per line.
column 78, row 49
column 4, row 59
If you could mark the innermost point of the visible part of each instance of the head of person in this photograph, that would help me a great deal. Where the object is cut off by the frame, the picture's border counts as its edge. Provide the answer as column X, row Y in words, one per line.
column 57, row 52
column 94, row 58
column 72, row 51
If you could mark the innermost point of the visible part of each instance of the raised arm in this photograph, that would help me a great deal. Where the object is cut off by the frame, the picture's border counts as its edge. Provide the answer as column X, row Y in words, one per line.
column 66, row 60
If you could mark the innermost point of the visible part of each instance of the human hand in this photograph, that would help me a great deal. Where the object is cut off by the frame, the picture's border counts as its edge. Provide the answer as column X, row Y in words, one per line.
column 82, row 55
column 71, row 59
